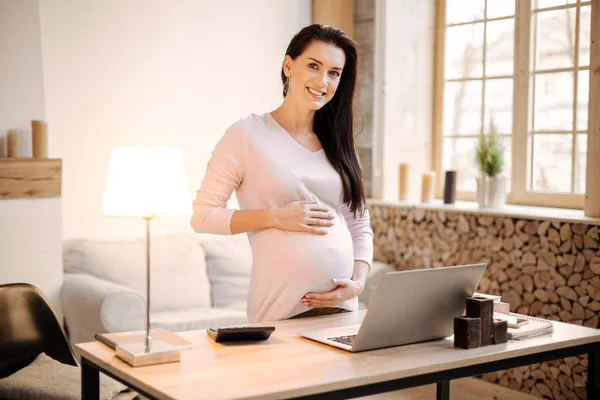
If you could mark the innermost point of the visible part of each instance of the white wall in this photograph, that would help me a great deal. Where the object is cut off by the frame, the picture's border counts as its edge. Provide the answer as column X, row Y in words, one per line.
column 141, row 72
column 30, row 231
column 404, row 93
column 21, row 84
column 31, row 245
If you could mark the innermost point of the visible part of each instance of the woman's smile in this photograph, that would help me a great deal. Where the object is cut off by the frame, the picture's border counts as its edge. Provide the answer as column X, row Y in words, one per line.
column 316, row 94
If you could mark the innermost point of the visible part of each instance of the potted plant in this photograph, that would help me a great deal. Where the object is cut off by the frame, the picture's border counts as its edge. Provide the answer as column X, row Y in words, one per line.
column 491, row 186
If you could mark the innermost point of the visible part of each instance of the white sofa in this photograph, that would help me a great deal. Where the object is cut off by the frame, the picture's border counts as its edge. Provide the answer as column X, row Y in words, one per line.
column 197, row 281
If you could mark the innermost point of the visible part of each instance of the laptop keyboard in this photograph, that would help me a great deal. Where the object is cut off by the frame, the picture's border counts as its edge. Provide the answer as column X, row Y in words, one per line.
column 346, row 339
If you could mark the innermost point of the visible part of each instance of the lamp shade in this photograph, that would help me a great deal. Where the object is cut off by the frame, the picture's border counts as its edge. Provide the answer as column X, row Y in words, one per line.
column 146, row 182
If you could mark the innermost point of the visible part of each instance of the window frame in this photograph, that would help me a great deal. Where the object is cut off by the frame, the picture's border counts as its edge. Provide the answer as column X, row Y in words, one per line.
column 521, row 163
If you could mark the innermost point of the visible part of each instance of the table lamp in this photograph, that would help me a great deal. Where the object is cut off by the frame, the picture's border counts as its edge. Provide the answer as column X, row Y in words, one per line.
column 146, row 182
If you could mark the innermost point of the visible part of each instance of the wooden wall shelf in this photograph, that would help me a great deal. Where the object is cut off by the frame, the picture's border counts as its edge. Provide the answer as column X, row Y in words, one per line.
column 30, row 178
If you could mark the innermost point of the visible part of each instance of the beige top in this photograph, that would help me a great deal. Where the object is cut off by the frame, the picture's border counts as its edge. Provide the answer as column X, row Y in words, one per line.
column 267, row 168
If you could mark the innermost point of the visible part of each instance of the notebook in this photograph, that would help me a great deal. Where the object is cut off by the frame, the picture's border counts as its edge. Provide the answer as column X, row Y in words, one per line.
column 112, row 340
column 519, row 330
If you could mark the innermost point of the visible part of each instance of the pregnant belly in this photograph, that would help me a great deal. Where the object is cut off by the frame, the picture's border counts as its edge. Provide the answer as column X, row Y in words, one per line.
column 302, row 259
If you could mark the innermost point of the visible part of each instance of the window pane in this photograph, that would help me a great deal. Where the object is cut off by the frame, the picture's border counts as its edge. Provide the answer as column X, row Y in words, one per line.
column 500, row 8
column 507, row 172
column 459, row 154
column 499, row 104
column 580, row 163
column 530, row 98
column 555, row 39
column 500, row 48
column 584, row 36
column 553, row 3
column 552, row 162
column 583, row 95
column 464, row 51
column 554, row 102
column 464, row 11
column 462, row 108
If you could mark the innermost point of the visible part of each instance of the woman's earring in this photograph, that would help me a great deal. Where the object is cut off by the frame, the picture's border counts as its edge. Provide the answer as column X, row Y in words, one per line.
column 286, row 86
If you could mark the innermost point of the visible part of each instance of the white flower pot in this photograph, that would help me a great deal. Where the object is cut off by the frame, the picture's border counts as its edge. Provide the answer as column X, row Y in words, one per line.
column 491, row 191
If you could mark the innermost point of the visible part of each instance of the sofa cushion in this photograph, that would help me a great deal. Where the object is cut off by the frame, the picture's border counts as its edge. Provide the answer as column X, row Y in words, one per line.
column 123, row 312
column 46, row 378
column 177, row 264
column 198, row 318
column 229, row 263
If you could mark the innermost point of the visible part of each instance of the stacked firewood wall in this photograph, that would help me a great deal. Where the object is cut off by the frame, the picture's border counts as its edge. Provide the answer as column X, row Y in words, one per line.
column 548, row 269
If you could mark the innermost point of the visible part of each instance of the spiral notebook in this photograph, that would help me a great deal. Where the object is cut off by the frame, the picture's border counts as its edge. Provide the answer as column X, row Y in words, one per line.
column 518, row 330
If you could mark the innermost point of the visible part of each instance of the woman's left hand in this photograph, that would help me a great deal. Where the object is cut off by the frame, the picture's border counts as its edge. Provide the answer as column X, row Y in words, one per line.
column 346, row 289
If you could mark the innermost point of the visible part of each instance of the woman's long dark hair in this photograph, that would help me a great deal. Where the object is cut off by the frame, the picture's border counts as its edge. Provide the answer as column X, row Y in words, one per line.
column 333, row 122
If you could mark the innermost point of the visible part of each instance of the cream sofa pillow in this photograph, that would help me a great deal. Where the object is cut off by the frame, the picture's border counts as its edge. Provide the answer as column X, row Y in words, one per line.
column 229, row 260
column 177, row 265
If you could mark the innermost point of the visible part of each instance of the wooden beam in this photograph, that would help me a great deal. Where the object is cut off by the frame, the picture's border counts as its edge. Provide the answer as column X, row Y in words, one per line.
column 437, row 135
column 30, row 178
column 338, row 13
column 520, row 170
column 592, row 189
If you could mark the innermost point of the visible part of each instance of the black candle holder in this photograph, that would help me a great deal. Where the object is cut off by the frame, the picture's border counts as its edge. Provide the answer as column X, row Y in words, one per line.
column 450, row 187
column 478, row 327
column 467, row 332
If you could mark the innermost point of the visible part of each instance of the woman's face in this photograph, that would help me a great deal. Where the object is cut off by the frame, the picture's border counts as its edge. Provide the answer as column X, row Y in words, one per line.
column 314, row 75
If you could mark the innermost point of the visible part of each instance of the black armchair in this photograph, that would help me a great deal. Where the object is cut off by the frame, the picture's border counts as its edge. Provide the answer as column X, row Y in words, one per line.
column 28, row 327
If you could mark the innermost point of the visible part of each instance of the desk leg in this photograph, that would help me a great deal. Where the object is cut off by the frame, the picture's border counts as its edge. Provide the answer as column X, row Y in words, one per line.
column 90, row 381
column 593, row 382
column 443, row 390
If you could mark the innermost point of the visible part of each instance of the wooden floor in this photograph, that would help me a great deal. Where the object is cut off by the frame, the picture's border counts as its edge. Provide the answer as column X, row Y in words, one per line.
column 460, row 389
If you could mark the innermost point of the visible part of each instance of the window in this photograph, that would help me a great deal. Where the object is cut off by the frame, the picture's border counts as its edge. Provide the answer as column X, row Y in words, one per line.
column 478, row 81
column 559, row 96
column 532, row 82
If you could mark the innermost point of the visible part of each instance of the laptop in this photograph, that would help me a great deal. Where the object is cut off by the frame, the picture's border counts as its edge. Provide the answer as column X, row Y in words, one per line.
column 407, row 307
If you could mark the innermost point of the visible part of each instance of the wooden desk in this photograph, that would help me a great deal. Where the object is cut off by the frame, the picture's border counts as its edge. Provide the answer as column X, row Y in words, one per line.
column 287, row 366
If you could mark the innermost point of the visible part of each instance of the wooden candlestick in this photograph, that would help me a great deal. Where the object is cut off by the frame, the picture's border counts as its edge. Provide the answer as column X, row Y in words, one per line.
column 467, row 333
column 13, row 143
column 39, row 139
column 404, row 173
column 483, row 308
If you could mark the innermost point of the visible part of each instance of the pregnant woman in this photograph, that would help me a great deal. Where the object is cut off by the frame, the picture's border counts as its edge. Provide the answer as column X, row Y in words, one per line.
column 298, row 182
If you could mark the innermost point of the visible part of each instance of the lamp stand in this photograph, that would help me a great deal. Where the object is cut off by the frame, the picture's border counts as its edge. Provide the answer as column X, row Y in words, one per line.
column 149, row 352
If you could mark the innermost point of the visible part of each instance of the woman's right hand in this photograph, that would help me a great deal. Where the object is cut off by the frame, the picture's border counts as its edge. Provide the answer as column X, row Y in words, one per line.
column 303, row 216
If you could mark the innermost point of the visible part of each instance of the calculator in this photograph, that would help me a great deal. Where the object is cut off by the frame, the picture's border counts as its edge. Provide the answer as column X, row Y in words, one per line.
column 240, row 333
